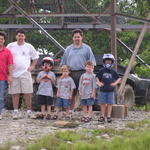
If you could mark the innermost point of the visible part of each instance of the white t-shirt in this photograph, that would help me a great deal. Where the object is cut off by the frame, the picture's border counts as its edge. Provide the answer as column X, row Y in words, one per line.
column 22, row 56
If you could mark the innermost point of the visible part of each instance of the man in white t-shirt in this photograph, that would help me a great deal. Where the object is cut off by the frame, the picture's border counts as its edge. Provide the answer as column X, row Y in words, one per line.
column 25, row 58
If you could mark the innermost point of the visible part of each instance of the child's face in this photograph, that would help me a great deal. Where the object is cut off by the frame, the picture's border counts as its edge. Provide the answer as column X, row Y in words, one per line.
column 89, row 69
column 108, row 61
column 46, row 66
column 65, row 72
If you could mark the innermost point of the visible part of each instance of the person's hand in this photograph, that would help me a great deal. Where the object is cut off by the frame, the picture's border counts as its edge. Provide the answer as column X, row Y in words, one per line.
column 113, row 84
column 100, row 83
column 49, row 77
column 57, row 94
column 30, row 68
column 44, row 76
column 92, row 95
column 9, row 79
column 80, row 94
column 70, row 97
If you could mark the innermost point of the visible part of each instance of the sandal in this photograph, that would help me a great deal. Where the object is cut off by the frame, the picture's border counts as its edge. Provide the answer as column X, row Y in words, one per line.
column 87, row 119
column 109, row 120
column 101, row 119
column 54, row 117
column 48, row 117
column 83, row 118
column 68, row 117
column 40, row 116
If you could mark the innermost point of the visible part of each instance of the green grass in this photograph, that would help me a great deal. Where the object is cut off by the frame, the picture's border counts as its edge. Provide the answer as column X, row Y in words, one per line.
column 136, row 137
column 120, row 140
column 143, row 123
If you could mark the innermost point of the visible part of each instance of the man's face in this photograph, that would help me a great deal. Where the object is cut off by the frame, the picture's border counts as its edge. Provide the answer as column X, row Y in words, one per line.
column 20, row 37
column 77, row 38
column 2, row 40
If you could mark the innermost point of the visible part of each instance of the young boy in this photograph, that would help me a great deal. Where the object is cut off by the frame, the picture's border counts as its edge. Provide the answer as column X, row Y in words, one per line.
column 65, row 88
column 46, row 78
column 87, row 86
column 107, row 79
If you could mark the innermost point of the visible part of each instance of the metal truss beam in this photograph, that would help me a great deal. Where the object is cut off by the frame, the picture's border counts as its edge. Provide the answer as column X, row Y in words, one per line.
column 134, row 18
column 131, row 51
column 37, row 25
column 71, row 26
column 54, row 15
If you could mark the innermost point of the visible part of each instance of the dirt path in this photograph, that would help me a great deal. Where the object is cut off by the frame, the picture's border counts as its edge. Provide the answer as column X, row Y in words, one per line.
column 28, row 129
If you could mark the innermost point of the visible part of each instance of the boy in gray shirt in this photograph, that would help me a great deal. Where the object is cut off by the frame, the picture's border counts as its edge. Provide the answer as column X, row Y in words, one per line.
column 65, row 88
column 46, row 78
column 87, row 86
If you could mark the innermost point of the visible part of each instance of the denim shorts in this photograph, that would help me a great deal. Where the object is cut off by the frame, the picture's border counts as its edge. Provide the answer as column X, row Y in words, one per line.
column 106, row 98
column 61, row 102
column 45, row 100
column 87, row 102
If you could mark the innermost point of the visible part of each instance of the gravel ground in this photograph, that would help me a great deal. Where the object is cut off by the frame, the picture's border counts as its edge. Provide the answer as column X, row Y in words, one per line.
column 28, row 129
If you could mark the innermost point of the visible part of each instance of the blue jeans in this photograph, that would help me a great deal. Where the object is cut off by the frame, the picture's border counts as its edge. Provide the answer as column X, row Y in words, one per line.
column 61, row 102
column 106, row 98
column 2, row 92
column 87, row 102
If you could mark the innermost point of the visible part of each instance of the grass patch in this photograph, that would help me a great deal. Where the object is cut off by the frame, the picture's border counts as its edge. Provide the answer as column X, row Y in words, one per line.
column 120, row 140
column 134, row 125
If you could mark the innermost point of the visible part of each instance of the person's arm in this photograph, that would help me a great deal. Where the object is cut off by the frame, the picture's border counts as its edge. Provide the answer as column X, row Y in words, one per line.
column 10, row 70
column 58, row 88
column 91, row 56
column 80, row 86
column 116, row 82
column 71, row 93
column 64, row 58
column 33, row 64
column 93, row 87
column 52, row 79
column 98, row 82
column 93, row 93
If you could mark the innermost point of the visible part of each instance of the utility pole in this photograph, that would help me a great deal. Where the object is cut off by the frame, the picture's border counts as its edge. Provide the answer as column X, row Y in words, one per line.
column 113, row 31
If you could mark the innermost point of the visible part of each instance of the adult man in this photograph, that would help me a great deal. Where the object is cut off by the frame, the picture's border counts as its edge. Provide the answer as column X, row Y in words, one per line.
column 76, row 55
column 22, row 53
column 6, row 65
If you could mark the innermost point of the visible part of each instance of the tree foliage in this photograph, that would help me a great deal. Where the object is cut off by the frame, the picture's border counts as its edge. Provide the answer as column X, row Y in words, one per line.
column 97, row 39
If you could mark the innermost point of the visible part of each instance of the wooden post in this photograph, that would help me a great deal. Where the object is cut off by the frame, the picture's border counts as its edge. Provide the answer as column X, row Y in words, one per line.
column 135, row 51
column 113, row 30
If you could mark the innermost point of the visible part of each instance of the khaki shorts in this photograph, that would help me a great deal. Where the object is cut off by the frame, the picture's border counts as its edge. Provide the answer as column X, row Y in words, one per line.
column 21, row 84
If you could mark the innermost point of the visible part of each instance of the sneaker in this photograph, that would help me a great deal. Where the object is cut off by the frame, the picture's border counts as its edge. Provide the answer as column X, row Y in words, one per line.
column 15, row 115
column 31, row 115
column 0, row 117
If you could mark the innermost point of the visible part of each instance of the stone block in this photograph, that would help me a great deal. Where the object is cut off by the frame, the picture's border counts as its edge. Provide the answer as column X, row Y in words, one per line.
column 119, row 111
